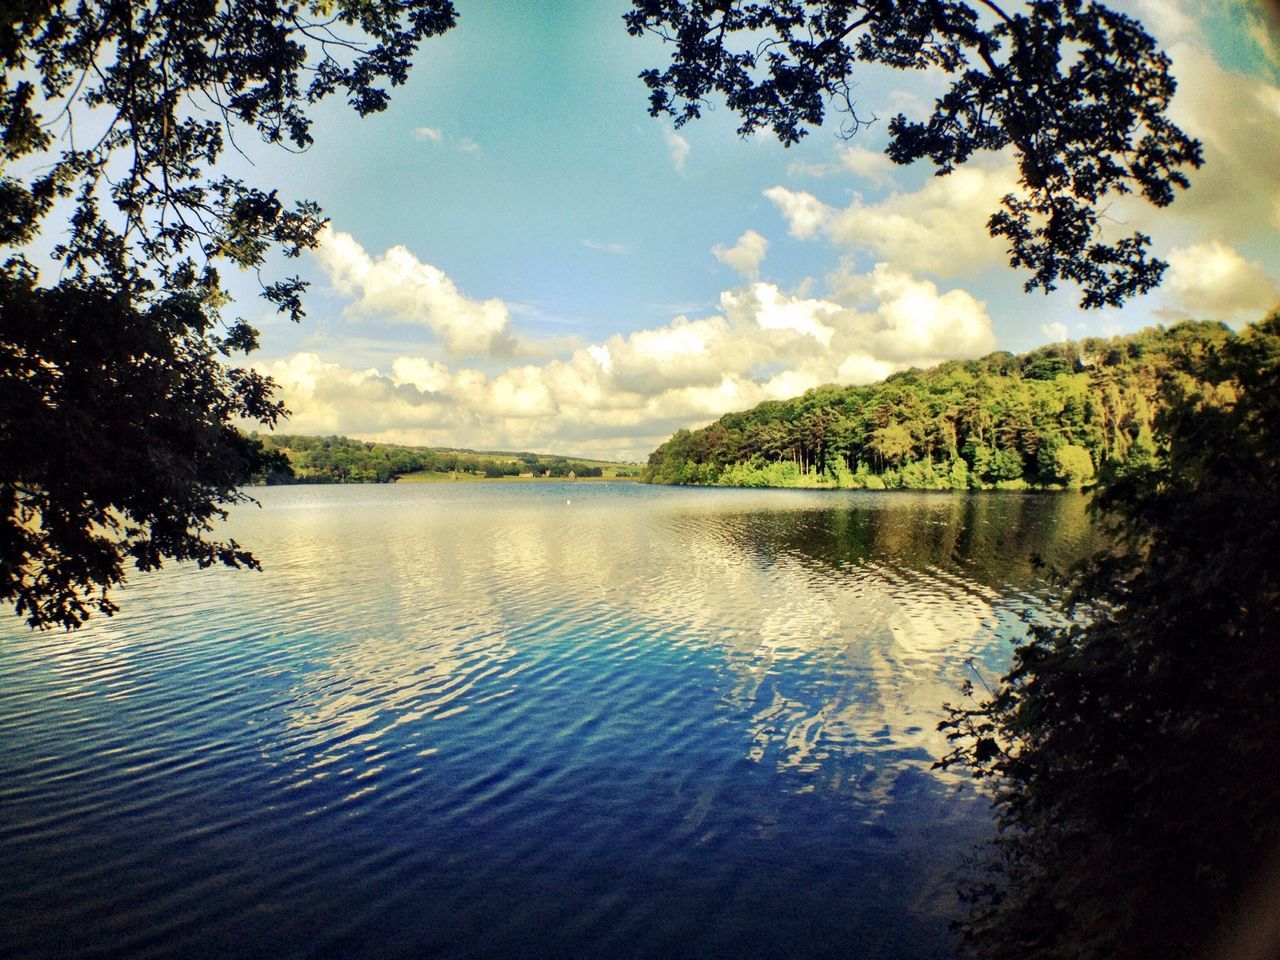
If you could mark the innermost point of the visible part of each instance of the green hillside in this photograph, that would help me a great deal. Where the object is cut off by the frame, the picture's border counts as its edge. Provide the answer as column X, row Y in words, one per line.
column 305, row 459
column 1055, row 417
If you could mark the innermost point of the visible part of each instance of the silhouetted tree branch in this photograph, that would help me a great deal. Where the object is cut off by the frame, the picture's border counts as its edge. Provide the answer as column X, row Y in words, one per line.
column 118, row 393
column 1078, row 92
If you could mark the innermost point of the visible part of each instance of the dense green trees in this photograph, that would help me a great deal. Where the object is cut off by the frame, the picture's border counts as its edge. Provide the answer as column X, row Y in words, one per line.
column 88, row 483
column 342, row 460
column 119, row 393
column 1133, row 751
column 1056, row 416
column 1076, row 91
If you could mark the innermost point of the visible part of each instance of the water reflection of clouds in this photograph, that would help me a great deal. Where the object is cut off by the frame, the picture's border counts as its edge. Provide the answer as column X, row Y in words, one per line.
column 419, row 639
column 849, row 664
column 819, row 664
column 844, row 663
column 855, row 625
column 833, row 663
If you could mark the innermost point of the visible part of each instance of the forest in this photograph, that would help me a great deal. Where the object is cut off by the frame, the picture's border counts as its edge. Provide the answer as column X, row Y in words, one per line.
column 1062, row 416
column 302, row 459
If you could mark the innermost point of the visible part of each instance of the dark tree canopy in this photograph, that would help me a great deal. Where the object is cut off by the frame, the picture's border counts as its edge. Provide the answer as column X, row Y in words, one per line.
column 1078, row 92
column 1132, row 751
column 119, row 393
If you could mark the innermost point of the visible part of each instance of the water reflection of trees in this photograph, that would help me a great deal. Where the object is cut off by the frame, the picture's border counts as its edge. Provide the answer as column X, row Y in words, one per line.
column 997, row 539
column 854, row 623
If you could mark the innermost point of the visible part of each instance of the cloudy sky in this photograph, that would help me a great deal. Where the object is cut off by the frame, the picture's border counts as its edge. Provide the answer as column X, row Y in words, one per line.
column 520, row 258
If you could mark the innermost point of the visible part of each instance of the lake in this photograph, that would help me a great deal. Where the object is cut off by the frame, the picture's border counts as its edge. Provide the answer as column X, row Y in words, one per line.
column 522, row 720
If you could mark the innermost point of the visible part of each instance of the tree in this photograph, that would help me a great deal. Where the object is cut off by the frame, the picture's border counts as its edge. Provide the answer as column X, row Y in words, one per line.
column 1073, row 465
column 1005, row 464
column 892, row 444
column 1077, row 91
column 1132, row 750
column 118, row 391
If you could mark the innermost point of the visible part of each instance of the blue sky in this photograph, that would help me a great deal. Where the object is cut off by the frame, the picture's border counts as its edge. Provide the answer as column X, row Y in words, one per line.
column 520, row 258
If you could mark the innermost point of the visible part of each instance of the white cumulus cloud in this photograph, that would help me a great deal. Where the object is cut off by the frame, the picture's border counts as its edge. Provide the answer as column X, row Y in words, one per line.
column 911, row 323
column 400, row 287
column 805, row 214
column 1056, row 332
column 1236, row 193
column 679, row 149
column 1212, row 281
column 939, row 229
column 871, row 165
column 745, row 255
column 622, row 397
column 771, row 309
column 440, row 138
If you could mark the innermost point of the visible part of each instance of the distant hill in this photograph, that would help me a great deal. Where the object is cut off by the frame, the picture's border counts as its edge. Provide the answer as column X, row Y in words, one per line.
column 1055, row 417
column 333, row 459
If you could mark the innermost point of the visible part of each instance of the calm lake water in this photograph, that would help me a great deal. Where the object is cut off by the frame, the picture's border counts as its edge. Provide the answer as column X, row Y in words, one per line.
column 554, row 720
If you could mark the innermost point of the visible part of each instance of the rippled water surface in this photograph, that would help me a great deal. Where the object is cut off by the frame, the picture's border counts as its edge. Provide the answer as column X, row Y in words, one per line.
column 520, row 721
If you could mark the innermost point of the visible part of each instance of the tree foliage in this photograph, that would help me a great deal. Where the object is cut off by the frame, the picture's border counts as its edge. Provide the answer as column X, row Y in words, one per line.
column 1052, row 417
column 1132, row 752
column 1078, row 92
column 342, row 460
column 118, row 390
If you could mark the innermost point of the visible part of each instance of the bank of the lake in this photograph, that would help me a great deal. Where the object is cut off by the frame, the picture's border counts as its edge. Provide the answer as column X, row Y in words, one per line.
column 435, row 477
column 334, row 459
column 570, row 719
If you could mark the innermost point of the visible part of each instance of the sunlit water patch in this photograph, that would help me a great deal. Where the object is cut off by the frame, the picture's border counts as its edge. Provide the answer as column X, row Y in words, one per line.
column 521, row 721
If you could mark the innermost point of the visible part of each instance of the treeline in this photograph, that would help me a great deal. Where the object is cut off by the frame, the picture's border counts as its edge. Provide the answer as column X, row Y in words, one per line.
column 342, row 460
column 1058, row 416
column 1130, row 750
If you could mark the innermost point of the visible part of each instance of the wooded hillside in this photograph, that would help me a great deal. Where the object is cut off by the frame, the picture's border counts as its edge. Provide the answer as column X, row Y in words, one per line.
column 333, row 459
column 1060, row 415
